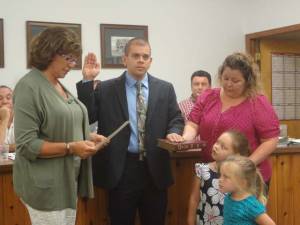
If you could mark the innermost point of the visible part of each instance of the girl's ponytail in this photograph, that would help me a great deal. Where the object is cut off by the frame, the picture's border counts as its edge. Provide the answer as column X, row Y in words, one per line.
column 260, row 188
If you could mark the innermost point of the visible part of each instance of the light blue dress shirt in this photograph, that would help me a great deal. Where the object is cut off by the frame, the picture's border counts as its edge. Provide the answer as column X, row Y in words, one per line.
column 131, row 102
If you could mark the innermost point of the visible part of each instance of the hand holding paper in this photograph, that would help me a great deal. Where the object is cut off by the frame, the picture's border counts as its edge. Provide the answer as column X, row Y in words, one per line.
column 99, row 139
column 106, row 141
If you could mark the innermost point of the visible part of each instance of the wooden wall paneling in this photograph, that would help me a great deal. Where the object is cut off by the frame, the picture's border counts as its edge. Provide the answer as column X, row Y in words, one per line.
column 14, row 211
column 93, row 211
column 81, row 213
column 285, row 194
column 1, row 201
column 185, row 175
column 172, row 213
column 272, row 196
column 101, row 202
column 296, row 188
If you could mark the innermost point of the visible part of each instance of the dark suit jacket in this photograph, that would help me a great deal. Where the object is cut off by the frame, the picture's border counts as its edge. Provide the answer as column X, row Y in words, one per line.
column 108, row 105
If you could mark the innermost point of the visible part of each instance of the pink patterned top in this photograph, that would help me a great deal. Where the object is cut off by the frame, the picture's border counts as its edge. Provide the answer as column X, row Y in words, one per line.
column 186, row 107
column 254, row 117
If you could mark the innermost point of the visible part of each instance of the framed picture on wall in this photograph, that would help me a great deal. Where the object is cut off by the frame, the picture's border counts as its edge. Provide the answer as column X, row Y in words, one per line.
column 113, row 40
column 1, row 44
column 34, row 27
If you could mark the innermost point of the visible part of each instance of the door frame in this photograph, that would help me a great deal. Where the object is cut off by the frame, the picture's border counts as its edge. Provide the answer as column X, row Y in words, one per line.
column 253, row 39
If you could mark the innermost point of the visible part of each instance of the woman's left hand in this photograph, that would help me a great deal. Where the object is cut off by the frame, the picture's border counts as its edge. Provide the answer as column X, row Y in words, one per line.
column 264, row 150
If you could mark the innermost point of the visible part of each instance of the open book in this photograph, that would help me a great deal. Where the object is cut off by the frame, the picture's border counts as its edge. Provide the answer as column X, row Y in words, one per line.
column 181, row 146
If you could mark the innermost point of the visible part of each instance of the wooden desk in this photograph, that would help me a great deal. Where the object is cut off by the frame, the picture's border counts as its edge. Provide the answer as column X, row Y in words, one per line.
column 284, row 199
column 284, row 195
column 12, row 211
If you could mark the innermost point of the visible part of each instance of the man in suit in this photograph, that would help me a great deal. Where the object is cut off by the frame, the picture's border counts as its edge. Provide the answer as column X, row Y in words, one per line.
column 136, row 172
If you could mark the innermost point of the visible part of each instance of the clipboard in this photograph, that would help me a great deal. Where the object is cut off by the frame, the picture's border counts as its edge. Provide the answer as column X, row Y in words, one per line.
column 100, row 145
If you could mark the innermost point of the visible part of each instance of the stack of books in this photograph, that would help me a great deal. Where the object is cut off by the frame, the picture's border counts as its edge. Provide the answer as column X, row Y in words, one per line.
column 180, row 146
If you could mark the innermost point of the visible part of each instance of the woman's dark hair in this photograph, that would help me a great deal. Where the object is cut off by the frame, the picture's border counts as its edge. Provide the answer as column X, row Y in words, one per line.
column 50, row 42
column 249, row 69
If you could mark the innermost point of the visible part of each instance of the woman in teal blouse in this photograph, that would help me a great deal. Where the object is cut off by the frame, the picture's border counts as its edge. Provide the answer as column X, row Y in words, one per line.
column 53, row 141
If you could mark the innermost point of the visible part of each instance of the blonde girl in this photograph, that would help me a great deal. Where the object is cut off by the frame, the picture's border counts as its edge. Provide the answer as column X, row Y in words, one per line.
column 205, row 193
column 244, row 202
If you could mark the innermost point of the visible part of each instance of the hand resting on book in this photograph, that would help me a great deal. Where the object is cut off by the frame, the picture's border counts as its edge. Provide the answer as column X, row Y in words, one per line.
column 180, row 146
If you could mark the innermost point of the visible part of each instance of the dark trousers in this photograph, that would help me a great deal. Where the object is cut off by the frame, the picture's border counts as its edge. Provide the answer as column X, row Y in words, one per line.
column 136, row 192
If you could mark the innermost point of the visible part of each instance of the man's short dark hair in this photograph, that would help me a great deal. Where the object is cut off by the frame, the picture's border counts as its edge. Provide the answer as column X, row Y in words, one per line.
column 135, row 41
column 201, row 73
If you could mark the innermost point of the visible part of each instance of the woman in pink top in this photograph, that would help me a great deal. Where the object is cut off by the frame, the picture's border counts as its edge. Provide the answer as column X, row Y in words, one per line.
column 240, row 105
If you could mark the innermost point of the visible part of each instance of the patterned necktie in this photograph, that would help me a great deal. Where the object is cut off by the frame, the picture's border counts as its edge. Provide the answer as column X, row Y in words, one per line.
column 141, row 110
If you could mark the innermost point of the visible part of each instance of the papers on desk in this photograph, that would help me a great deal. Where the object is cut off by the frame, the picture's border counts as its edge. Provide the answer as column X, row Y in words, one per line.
column 294, row 141
column 285, row 141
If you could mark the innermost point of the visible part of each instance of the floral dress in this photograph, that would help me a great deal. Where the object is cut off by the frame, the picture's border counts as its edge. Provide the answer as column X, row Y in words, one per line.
column 210, row 208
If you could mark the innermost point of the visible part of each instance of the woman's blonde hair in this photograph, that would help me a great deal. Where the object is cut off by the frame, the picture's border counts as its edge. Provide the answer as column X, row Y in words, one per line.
column 249, row 69
column 242, row 168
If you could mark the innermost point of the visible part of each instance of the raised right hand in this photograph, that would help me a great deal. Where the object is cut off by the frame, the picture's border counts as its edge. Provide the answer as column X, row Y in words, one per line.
column 91, row 67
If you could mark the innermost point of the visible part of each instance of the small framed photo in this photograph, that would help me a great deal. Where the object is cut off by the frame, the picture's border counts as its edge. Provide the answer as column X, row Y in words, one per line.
column 1, row 44
column 35, row 27
column 114, row 37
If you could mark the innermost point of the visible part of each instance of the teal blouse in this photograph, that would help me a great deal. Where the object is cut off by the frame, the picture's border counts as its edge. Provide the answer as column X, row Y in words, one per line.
column 41, row 114
column 242, row 212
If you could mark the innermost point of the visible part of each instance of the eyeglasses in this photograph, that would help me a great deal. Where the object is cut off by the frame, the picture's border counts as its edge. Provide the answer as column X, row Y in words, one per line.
column 69, row 58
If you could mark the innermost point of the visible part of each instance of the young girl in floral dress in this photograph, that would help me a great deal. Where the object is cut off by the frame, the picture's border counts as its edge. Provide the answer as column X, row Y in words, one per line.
column 208, row 202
